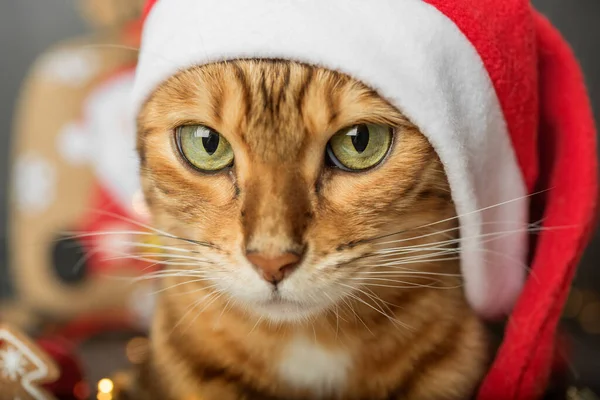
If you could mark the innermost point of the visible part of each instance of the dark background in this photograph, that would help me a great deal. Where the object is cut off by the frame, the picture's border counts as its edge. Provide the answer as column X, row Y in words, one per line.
column 28, row 27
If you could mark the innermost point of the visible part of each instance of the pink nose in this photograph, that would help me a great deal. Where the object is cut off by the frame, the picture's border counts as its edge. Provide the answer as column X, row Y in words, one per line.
column 274, row 269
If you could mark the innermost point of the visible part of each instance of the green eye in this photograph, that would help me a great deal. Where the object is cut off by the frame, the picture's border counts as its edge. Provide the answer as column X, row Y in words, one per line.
column 204, row 148
column 360, row 147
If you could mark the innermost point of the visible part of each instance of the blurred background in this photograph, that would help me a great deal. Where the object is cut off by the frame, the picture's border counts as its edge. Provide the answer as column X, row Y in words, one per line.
column 56, row 50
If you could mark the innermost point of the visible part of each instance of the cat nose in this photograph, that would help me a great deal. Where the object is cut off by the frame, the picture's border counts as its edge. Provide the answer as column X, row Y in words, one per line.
column 274, row 269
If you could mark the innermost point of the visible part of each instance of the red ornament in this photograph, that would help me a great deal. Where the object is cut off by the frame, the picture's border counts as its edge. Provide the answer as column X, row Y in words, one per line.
column 71, row 382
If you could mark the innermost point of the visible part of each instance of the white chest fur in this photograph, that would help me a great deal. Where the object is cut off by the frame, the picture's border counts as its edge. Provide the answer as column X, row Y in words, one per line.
column 305, row 364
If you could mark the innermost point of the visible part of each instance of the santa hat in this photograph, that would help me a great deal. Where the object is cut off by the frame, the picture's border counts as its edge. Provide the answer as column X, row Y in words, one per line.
column 496, row 91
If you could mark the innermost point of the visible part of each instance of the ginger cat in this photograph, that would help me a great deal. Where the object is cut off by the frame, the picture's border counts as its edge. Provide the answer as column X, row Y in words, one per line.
column 310, row 241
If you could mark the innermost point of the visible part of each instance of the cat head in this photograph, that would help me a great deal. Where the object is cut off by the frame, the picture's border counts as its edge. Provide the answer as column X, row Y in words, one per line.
column 459, row 84
column 289, row 188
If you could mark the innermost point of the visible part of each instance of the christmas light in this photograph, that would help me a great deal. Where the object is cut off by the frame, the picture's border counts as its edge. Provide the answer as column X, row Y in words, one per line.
column 104, row 396
column 105, row 386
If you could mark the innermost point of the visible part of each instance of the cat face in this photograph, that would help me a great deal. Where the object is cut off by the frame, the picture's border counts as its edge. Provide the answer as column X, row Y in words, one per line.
column 290, row 189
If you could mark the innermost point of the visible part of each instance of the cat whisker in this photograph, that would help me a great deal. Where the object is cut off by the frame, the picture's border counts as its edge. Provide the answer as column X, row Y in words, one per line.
column 521, row 198
column 383, row 260
column 255, row 325
column 118, row 46
column 131, row 221
column 456, row 240
column 335, row 312
column 380, row 311
column 194, row 291
column 166, row 262
column 408, row 273
column 79, row 235
column 434, row 284
column 407, row 284
column 386, row 303
column 148, row 277
column 420, row 260
column 387, row 279
column 177, row 270
column 219, row 294
column 530, row 228
column 189, row 309
column 412, row 287
column 337, row 321
column 83, row 259
column 357, row 298
column 160, row 256
column 533, row 225
column 86, row 234
column 172, row 260
column 166, row 289
column 398, row 263
column 356, row 316
column 421, row 247
column 403, row 260
column 158, row 247
column 407, row 249
column 183, row 272
column 391, row 259
column 110, row 46
column 213, row 296
column 483, row 250
column 229, row 301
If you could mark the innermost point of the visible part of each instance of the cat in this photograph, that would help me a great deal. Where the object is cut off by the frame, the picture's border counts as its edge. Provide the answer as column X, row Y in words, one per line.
column 312, row 243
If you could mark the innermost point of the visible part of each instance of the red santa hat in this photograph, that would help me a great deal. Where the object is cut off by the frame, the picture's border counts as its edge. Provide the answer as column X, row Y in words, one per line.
column 498, row 94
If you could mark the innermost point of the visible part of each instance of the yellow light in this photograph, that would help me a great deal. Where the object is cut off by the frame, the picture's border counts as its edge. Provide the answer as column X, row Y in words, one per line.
column 105, row 386
column 104, row 396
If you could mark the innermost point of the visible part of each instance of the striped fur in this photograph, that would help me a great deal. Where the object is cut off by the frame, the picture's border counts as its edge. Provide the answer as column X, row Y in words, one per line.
column 403, row 336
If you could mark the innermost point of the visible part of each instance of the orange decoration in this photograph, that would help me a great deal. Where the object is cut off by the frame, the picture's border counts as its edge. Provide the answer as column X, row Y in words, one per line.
column 23, row 367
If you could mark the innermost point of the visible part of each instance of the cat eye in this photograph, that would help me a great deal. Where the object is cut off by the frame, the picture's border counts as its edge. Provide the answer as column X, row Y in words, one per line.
column 359, row 147
column 204, row 148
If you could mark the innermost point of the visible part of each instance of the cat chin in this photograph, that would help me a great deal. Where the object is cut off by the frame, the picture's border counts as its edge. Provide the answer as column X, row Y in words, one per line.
column 282, row 312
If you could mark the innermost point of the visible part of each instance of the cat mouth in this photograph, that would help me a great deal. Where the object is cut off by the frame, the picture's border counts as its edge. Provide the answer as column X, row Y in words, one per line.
column 278, row 304
column 287, row 311
column 277, row 300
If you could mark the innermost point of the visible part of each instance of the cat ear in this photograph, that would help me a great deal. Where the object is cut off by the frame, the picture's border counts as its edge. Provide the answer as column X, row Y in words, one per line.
column 567, row 207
